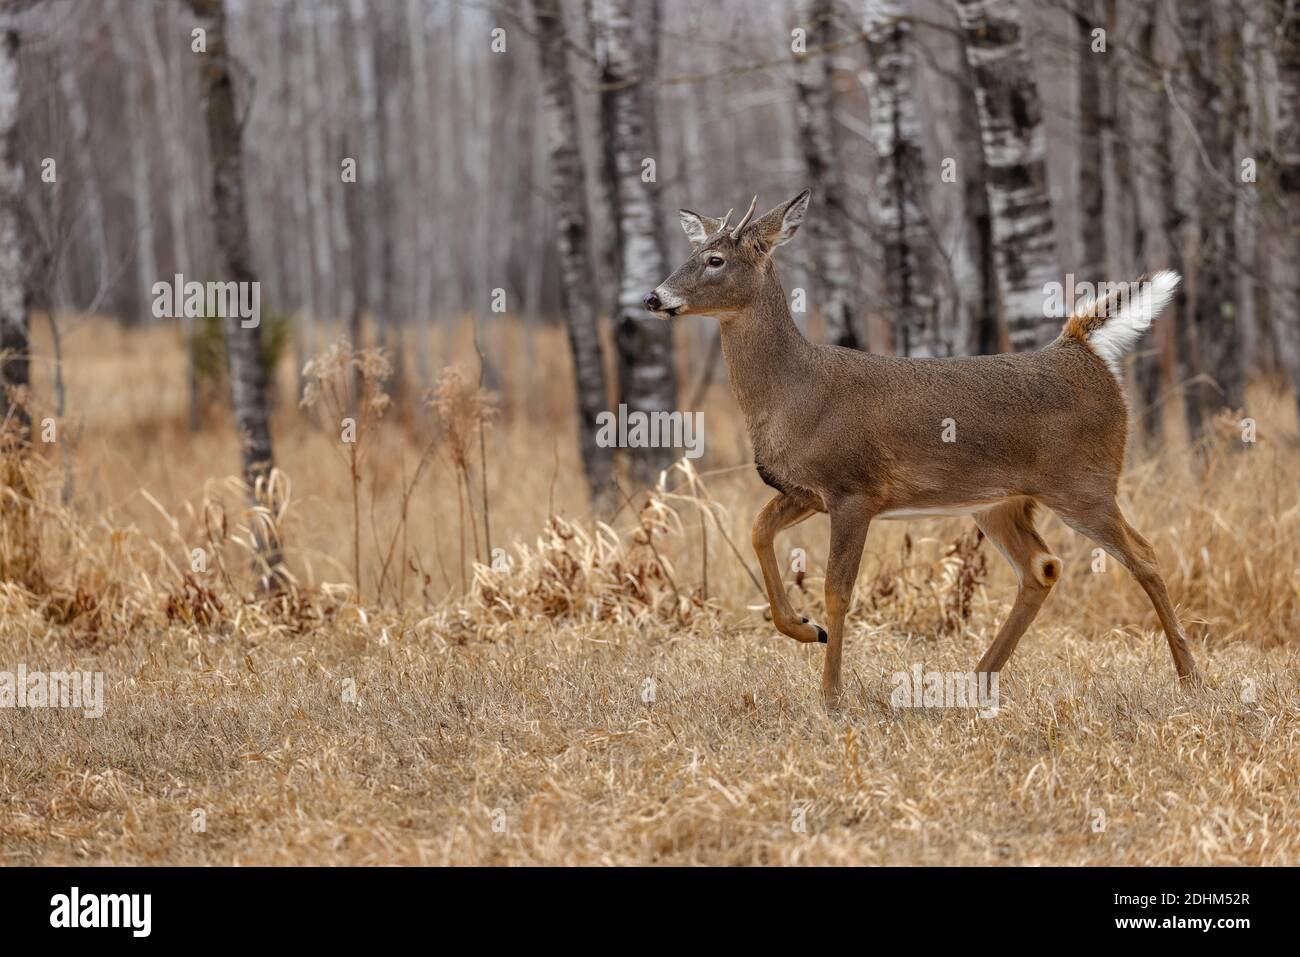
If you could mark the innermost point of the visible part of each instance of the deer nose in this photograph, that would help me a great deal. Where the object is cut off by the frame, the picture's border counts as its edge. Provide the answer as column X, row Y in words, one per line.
column 652, row 302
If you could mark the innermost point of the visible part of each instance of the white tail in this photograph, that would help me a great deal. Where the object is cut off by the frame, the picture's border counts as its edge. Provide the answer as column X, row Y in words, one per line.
column 1112, row 324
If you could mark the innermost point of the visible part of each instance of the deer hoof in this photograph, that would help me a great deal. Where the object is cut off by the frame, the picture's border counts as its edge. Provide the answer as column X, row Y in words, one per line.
column 821, row 632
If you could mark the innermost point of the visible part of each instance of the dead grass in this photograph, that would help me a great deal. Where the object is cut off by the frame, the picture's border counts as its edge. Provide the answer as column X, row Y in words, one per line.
column 509, row 723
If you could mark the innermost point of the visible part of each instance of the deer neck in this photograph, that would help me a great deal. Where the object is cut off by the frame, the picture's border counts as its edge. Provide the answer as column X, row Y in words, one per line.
column 768, row 359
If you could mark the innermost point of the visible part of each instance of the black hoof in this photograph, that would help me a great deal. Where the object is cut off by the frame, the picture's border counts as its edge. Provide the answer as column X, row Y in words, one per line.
column 821, row 632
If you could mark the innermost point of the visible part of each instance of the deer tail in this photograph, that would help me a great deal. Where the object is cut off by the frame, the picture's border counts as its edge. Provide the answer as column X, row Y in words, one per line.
column 1111, row 323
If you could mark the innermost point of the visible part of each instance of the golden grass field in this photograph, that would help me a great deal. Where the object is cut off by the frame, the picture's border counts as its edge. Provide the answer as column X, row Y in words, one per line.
column 507, row 723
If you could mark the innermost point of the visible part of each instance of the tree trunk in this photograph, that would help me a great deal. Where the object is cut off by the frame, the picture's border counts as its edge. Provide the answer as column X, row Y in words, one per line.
column 1092, row 162
column 607, row 181
column 169, row 109
column 577, row 291
column 1212, row 351
column 138, row 144
column 15, row 322
column 248, row 380
column 325, row 287
column 425, row 239
column 902, row 202
column 88, row 173
column 986, row 329
column 831, row 251
column 366, row 231
column 1024, row 236
column 1287, row 325
column 647, row 376
column 1148, row 368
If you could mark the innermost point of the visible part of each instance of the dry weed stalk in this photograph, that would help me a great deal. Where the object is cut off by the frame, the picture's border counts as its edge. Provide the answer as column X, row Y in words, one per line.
column 465, row 410
column 347, row 388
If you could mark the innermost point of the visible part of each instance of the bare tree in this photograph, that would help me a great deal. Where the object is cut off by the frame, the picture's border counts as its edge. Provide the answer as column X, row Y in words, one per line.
column 326, row 296
column 168, row 110
column 1148, row 368
column 14, row 319
column 577, row 291
column 1287, row 326
column 88, row 172
column 1092, row 158
column 1006, row 95
column 647, row 376
column 364, row 193
column 986, row 330
column 125, row 43
column 1210, row 346
column 248, row 379
column 902, row 204
column 425, row 238
column 830, row 250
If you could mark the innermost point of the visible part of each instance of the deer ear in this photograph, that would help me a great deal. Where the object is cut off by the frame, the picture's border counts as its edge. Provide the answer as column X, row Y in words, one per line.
column 697, row 227
column 777, row 226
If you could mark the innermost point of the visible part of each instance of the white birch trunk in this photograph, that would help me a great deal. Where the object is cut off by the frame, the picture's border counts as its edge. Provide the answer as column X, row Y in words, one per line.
column 647, row 375
column 1287, row 315
column 902, row 210
column 830, row 249
column 14, row 321
column 1024, row 237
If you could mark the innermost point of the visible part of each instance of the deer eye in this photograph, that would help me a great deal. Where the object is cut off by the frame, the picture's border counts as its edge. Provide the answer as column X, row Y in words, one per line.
column 716, row 261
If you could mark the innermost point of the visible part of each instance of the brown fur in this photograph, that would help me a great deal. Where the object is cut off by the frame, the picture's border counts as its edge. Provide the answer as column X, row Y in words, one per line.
column 859, row 436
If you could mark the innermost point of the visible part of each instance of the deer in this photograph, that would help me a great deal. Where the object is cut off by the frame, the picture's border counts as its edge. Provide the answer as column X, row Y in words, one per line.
column 860, row 437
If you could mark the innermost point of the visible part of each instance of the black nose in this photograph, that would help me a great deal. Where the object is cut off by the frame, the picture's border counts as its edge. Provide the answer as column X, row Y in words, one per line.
column 652, row 302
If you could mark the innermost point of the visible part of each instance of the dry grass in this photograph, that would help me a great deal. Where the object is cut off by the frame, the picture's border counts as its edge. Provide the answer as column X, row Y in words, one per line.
column 509, row 723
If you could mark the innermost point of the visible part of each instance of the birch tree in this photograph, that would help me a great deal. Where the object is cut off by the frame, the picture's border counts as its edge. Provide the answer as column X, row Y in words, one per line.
column 1092, row 52
column 425, row 238
column 14, row 320
column 248, row 380
column 647, row 380
column 1213, row 373
column 320, row 169
column 1148, row 368
column 138, row 147
column 986, row 331
column 901, row 200
column 1006, row 96
column 830, row 251
column 577, row 291
column 168, row 109
column 369, row 155
column 88, row 175
column 1288, row 161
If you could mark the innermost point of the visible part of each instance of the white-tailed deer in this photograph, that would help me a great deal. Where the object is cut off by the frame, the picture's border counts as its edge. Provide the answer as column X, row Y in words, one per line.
column 862, row 436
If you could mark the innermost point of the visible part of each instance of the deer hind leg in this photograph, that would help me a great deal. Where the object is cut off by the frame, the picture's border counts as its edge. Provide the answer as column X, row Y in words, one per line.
column 849, row 523
column 782, row 512
column 1010, row 526
column 1105, row 524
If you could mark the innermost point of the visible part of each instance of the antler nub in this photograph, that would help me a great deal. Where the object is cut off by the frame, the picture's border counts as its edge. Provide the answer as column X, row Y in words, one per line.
column 735, row 233
column 723, row 224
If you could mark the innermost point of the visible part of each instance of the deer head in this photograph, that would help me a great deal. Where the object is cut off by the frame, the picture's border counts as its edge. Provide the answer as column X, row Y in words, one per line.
column 724, row 274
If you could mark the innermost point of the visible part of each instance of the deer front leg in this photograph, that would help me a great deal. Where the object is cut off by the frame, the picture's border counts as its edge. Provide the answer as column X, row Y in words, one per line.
column 849, row 522
column 782, row 512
